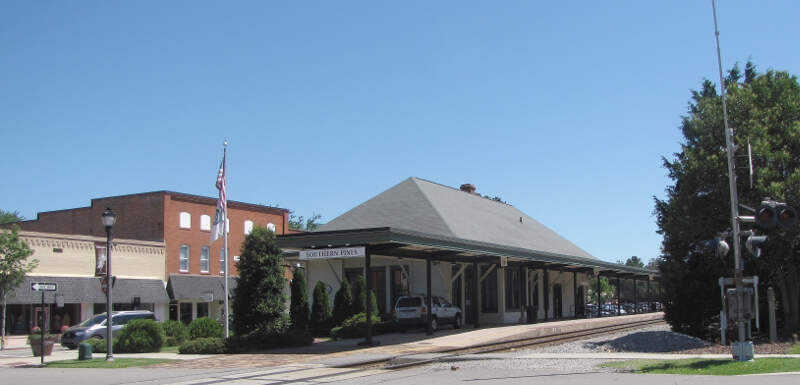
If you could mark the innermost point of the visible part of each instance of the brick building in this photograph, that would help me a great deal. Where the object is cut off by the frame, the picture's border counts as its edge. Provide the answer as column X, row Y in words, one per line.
column 183, row 223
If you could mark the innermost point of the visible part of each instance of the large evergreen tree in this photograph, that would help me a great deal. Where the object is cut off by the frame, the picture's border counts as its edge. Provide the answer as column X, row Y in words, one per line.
column 764, row 110
column 298, row 308
column 259, row 300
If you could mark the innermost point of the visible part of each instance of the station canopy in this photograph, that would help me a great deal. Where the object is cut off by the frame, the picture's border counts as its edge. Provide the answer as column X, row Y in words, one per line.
column 425, row 220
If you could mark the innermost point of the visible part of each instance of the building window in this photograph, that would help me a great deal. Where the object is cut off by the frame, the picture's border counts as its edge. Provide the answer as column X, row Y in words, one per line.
column 221, row 260
column 204, row 259
column 184, row 259
column 205, row 222
column 489, row 290
column 271, row 227
column 186, row 312
column 185, row 220
column 513, row 289
column 202, row 309
column 248, row 227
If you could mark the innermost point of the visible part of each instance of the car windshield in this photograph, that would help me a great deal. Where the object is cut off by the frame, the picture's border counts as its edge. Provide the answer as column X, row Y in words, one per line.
column 96, row 320
column 409, row 302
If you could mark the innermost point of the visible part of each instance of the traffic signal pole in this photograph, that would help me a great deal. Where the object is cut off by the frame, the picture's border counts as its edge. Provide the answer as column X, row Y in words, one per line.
column 738, row 347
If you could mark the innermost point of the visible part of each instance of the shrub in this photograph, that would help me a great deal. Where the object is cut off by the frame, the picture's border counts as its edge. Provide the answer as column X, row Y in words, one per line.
column 175, row 331
column 356, row 326
column 205, row 327
column 211, row 345
column 140, row 336
column 342, row 303
column 298, row 308
column 270, row 336
column 321, row 309
column 98, row 345
column 359, row 296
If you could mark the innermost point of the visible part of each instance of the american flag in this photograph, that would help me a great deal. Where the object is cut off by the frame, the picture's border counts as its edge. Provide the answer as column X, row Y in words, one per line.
column 222, row 204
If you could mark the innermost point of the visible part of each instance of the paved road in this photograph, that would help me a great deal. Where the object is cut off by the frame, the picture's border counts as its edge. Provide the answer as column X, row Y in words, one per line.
column 297, row 374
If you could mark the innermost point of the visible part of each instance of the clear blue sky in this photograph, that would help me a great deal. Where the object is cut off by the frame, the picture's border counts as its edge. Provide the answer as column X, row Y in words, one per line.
column 564, row 110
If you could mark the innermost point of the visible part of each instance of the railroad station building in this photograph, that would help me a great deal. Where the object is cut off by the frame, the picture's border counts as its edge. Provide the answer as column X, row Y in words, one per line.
column 493, row 261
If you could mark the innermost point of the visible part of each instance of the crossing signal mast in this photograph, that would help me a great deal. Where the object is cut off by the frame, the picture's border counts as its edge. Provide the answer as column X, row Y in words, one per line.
column 768, row 215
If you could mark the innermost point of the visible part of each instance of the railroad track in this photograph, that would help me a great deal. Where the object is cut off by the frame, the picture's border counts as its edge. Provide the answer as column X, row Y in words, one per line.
column 518, row 343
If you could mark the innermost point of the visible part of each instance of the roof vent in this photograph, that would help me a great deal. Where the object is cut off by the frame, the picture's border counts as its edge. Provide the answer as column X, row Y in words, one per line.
column 468, row 188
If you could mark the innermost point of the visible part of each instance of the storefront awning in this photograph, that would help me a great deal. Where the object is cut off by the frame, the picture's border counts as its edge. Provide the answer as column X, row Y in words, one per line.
column 203, row 288
column 87, row 290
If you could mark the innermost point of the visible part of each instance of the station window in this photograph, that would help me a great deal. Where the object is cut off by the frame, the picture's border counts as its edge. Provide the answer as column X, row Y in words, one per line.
column 248, row 227
column 513, row 288
column 489, row 291
column 205, row 222
column 271, row 227
column 221, row 260
column 185, row 220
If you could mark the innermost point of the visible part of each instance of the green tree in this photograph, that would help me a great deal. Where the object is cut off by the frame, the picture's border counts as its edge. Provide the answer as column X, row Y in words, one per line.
column 321, row 308
column 298, row 309
column 14, row 264
column 342, row 303
column 10, row 216
column 359, row 296
column 301, row 223
column 634, row 261
column 764, row 110
column 259, row 299
column 607, row 290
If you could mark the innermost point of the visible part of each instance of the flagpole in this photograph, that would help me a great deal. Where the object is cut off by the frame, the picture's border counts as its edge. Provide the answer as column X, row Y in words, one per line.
column 225, row 229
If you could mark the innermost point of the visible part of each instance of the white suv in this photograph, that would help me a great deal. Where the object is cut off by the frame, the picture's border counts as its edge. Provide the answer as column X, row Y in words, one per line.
column 411, row 311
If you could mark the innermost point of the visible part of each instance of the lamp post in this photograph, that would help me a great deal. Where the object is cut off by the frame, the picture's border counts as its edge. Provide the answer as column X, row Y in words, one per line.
column 108, row 221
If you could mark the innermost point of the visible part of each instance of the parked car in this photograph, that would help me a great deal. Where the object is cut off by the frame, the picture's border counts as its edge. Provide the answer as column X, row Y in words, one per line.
column 95, row 327
column 411, row 311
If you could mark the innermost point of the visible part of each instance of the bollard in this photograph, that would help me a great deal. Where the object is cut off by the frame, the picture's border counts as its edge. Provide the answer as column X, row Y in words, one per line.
column 84, row 352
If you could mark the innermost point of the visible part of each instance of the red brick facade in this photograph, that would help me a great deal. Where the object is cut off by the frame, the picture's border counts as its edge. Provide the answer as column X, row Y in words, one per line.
column 155, row 216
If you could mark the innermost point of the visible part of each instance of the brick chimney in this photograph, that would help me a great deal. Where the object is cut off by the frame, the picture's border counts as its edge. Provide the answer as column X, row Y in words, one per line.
column 468, row 188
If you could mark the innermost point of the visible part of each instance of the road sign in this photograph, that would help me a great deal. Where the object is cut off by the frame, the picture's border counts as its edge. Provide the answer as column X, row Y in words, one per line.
column 43, row 286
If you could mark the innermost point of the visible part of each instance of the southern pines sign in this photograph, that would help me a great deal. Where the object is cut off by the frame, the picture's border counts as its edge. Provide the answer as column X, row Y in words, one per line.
column 343, row 252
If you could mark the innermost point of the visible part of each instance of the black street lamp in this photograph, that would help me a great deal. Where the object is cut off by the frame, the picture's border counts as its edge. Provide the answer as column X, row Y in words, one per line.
column 108, row 221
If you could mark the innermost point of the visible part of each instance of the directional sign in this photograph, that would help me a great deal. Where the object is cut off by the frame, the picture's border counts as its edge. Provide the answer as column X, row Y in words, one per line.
column 43, row 286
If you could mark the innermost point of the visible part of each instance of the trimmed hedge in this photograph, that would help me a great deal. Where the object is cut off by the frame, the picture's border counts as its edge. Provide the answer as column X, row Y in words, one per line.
column 258, row 341
column 212, row 345
column 140, row 336
column 205, row 327
column 176, row 333
column 98, row 345
column 356, row 326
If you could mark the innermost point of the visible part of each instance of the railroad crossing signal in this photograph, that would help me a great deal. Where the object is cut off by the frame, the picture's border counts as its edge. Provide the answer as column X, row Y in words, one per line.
column 772, row 213
column 43, row 286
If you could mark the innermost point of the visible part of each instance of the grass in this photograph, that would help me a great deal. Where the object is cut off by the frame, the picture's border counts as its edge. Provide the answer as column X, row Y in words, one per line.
column 101, row 363
column 712, row 367
column 795, row 349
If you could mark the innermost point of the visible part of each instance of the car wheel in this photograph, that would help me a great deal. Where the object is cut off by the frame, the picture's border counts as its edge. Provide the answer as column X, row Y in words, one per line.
column 97, row 337
column 434, row 324
column 457, row 321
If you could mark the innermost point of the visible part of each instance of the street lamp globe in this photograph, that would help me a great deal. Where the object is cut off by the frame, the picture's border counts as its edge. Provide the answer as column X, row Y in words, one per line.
column 109, row 217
